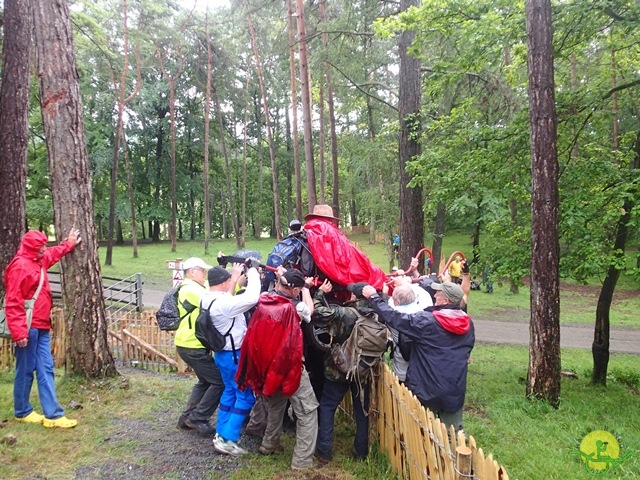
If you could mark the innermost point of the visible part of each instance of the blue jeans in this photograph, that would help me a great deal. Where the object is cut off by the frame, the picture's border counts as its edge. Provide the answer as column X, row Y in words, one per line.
column 235, row 404
column 332, row 395
column 35, row 357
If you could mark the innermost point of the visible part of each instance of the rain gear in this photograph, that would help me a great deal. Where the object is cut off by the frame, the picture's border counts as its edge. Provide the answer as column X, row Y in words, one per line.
column 21, row 279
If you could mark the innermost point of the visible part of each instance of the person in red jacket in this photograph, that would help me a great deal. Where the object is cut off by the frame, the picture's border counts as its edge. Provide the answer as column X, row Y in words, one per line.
column 33, row 345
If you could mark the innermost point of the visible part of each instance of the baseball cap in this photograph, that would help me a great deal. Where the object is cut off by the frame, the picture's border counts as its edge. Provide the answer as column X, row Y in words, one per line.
column 195, row 262
column 451, row 290
column 292, row 278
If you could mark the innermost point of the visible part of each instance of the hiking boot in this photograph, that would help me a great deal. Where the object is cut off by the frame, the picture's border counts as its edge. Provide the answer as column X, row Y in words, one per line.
column 62, row 422
column 268, row 451
column 203, row 427
column 33, row 417
column 321, row 460
column 227, row 447
column 182, row 423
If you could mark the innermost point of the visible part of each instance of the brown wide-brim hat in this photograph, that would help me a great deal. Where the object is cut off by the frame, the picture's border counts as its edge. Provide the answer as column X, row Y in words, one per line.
column 322, row 211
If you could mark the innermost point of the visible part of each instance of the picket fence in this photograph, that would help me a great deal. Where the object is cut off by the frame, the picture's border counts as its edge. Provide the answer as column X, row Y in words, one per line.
column 417, row 444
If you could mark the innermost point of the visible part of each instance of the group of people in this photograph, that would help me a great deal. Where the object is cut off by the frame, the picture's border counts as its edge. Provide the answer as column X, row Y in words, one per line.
column 264, row 364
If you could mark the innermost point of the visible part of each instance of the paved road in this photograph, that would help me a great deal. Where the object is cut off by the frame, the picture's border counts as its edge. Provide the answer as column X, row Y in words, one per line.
column 622, row 340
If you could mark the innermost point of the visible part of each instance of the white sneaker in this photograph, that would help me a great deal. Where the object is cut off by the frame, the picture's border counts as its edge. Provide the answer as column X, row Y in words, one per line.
column 227, row 447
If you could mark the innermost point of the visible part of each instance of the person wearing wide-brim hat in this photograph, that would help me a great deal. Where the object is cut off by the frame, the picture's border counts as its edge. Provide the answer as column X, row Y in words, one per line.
column 323, row 212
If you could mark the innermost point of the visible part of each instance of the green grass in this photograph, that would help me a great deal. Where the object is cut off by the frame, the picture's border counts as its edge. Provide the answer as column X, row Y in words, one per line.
column 533, row 440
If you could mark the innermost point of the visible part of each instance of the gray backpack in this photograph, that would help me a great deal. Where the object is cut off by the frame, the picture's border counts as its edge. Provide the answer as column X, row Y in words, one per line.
column 364, row 348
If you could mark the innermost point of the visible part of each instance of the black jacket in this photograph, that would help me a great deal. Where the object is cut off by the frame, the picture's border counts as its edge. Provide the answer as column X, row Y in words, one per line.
column 443, row 339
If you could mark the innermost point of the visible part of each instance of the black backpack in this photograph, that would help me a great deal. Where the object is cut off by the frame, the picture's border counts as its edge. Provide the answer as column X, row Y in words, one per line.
column 167, row 316
column 209, row 336
column 405, row 345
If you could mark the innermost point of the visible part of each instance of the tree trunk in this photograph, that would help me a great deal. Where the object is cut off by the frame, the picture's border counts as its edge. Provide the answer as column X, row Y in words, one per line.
column 438, row 235
column 88, row 351
column 306, row 106
column 335, row 195
column 207, row 120
column 411, row 214
column 256, row 219
column 14, row 127
column 272, row 147
column 543, row 379
column 294, row 110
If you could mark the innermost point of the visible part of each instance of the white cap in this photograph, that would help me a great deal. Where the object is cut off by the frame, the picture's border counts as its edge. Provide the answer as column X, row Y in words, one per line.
column 194, row 262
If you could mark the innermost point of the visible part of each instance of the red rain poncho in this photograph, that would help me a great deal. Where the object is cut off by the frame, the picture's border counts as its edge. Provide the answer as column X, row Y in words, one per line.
column 340, row 261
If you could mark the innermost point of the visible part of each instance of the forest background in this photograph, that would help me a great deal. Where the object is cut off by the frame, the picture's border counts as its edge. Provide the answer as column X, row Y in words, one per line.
column 190, row 120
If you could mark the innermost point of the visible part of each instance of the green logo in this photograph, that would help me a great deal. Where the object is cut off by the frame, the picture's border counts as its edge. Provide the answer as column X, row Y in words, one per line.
column 600, row 450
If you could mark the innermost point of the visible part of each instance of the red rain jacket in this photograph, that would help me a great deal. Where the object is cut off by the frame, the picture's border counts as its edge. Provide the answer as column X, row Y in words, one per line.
column 340, row 261
column 21, row 279
column 271, row 352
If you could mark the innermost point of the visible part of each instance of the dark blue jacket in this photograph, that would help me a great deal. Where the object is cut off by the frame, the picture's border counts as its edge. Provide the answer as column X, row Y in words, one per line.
column 443, row 339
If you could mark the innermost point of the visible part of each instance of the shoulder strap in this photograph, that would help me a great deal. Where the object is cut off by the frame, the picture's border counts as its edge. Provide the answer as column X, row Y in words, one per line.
column 35, row 295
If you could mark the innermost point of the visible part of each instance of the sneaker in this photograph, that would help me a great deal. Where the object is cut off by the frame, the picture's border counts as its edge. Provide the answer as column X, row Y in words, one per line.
column 62, row 422
column 227, row 447
column 268, row 451
column 33, row 417
column 203, row 427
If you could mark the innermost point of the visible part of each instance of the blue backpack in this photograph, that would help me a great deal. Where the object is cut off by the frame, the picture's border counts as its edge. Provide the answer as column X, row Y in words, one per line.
column 291, row 252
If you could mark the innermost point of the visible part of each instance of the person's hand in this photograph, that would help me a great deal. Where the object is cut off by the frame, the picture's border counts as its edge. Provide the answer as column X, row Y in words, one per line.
column 280, row 270
column 74, row 236
column 309, row 281
column 385, row 288
column 237, row 269
column 465, row 266
column 414, row 262
column 326, row 286
column 367, row 291
column 22, row 342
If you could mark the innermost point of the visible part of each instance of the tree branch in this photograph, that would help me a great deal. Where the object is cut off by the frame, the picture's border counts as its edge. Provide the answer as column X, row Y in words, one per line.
column 395, row 109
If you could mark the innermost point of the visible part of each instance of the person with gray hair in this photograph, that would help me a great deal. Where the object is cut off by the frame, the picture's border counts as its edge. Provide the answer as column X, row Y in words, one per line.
column 443, row 337
column 403, row 300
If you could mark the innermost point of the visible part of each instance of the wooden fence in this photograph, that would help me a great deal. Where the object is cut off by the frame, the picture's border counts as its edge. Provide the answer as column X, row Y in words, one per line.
column 134, row 338
column 417, row 444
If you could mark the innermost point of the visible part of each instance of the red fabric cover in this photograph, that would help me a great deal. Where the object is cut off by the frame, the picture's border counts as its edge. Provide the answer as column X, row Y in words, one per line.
column 340, row 261
column 271, row 352
column 21, row 279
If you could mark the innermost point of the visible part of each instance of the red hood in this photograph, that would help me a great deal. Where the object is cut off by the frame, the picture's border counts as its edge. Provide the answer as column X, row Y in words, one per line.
column 31, row 244
column 454, row 321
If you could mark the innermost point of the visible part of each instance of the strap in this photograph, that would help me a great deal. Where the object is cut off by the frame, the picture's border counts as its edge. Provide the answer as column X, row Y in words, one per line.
column 35, row 295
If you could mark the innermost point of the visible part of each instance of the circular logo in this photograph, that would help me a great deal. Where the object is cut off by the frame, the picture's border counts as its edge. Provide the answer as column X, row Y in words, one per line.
column 599, row 448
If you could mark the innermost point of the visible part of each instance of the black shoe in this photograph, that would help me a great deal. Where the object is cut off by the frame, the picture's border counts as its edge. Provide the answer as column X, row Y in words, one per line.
column 182, row 423
column 203, row 427
column 321, row 460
